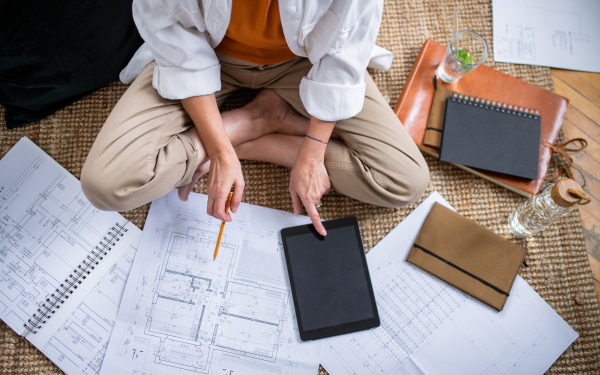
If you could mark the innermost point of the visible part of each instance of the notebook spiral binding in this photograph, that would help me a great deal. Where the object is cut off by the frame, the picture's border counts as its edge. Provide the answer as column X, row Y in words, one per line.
column 62, row 293
column 495, row 106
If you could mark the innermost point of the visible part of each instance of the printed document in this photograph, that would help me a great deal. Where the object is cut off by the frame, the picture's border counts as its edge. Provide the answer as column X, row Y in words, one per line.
column 556, row 33
column 63, row 263
column 183, row 313
column 429, row 327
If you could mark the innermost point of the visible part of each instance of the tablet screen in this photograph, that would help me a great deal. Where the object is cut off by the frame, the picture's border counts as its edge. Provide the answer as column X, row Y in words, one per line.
column 329, row 278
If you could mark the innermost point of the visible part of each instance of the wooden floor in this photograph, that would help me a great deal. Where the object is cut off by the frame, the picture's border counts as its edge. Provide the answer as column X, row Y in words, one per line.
column 583, row 120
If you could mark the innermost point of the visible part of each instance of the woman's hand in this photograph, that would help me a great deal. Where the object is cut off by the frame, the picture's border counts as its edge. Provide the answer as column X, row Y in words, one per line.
column 309, row 179
column 225, row 173
column 225, row 169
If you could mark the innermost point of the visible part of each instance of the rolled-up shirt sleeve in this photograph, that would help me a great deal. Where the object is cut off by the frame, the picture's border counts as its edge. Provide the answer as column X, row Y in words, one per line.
column 186, row 64
column 334, row 88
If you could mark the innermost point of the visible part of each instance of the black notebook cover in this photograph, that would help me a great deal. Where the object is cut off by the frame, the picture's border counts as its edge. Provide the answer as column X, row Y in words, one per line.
column 491, row 137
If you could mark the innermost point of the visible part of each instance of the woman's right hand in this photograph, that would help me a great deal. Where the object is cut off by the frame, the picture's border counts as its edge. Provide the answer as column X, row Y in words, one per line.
column 225, row 169
column 225, row 173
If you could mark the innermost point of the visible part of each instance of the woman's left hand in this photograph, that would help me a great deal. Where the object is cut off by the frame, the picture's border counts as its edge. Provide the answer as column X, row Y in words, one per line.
column 309, row 179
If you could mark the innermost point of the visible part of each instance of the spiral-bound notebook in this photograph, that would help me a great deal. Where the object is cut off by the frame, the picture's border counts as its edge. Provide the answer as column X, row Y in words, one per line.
column 416, row 102
column 63, row 263
column 493, row 136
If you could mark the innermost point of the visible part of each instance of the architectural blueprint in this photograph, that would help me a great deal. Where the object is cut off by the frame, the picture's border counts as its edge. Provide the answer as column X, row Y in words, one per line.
column 63, row 263
column 561, row 34
column 79, row 344
column 429, row 327
column 183, row 313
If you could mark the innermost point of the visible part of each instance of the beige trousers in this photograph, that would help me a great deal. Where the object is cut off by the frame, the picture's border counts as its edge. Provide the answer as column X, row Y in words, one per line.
column 144, row 150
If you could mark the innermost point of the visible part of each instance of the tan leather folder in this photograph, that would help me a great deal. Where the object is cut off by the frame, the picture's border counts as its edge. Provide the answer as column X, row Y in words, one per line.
column 466, row 255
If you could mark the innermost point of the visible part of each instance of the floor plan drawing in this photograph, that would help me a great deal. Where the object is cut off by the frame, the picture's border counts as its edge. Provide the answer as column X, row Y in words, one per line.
column 90, row 325
column 63, row 262
column 185, row 313
column 47, row 227
column 420, row 315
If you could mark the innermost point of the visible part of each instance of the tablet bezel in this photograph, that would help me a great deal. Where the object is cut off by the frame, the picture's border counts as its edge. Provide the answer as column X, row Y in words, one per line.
column 339, row 329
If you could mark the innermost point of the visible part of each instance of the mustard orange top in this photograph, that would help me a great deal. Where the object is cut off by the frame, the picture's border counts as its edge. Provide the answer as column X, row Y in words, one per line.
column 255, row 34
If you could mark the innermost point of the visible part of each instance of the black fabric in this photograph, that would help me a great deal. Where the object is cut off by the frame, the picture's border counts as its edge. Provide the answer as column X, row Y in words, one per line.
column 53, row 52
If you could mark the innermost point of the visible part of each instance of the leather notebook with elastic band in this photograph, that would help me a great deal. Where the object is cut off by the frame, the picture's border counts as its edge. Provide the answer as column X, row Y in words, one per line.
column 435, row 124
column 468, row 256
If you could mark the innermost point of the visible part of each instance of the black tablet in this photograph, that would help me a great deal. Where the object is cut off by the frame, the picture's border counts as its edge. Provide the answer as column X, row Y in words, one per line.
column 330, row 280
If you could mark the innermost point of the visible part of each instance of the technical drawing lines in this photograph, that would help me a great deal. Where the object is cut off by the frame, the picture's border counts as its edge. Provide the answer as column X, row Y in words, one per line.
column 248, row 322
column 372, row 352
column 9, row 193
column 256, row 265
column 175, row 318
column 61, row 265
column 183, row 355
column 93, row 366
column 260, row 230
column 79, row 344
column 185, row 313
column 260, row 367
column 412, row 309
column 190, row 215
column 251, row 320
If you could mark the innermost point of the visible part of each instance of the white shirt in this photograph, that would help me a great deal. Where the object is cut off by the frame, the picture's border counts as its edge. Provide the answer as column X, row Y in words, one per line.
column 337, row 36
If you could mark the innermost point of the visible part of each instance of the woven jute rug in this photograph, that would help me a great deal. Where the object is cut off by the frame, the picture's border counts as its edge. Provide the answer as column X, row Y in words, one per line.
column 558, row 266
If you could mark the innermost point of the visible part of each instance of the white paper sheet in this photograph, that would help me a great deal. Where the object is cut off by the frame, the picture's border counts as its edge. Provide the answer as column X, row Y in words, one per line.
column 556, row 33
column 47, row 228
column 79, row 344
column 429, row 327
column 183, row 313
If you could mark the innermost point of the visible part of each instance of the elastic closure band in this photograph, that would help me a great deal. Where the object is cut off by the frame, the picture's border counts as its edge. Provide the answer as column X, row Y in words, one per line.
column 315, row 139
column 462, row 270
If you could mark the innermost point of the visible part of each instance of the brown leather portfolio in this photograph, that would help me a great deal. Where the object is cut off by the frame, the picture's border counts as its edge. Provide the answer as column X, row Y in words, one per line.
column 467, row 255
column 435, row 123
column 415, row 103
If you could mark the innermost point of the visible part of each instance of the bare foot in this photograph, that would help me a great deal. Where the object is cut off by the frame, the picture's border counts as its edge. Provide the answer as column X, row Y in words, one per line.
column 279, row 114
column 266, row 114
column 184, row 190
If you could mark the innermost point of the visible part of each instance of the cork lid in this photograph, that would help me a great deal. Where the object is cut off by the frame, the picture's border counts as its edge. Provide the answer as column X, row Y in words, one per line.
column 568, row 192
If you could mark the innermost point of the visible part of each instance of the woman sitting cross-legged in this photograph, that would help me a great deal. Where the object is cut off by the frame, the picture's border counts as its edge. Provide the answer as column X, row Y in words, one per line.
column 318, row 113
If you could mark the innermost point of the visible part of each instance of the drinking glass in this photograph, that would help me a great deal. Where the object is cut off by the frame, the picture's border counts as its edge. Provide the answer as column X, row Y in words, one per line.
column 465, row 52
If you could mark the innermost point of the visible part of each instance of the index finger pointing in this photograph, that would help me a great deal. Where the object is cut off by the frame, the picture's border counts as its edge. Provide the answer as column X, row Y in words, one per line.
column 315, row 218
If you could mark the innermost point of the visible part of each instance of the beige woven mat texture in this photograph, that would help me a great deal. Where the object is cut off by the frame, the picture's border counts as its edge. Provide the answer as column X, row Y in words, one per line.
column 558, row 267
